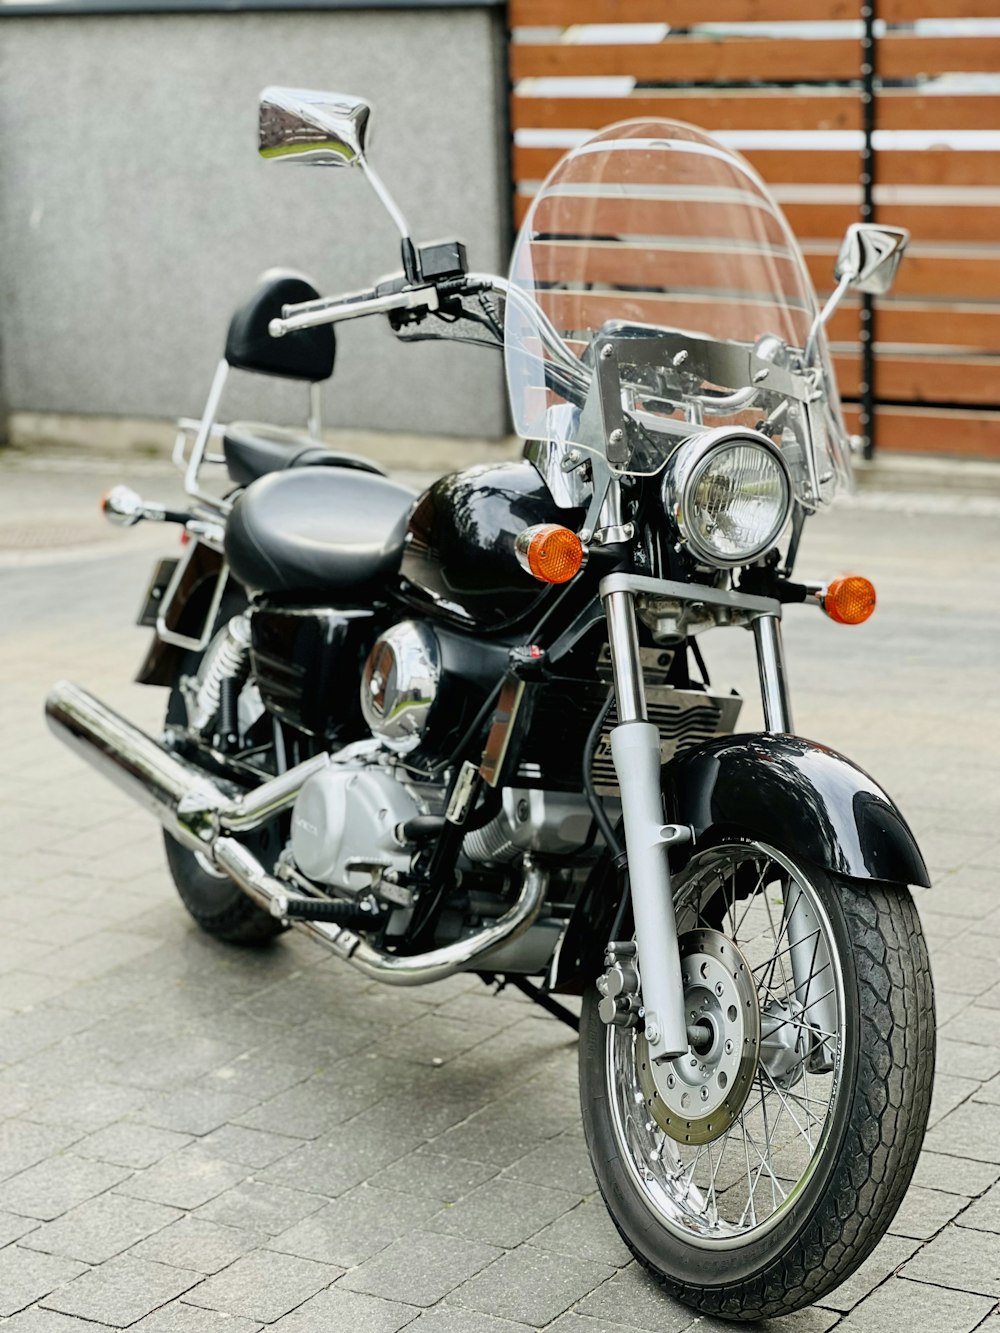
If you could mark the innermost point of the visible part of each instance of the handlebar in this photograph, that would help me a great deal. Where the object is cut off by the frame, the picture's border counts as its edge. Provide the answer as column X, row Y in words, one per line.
column 333, row 310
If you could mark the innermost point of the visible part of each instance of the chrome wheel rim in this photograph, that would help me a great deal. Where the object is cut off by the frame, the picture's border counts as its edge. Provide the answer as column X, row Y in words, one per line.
column 732, row 1175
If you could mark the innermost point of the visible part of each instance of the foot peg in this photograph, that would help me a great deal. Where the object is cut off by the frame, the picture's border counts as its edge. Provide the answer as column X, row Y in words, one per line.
column 363, row 915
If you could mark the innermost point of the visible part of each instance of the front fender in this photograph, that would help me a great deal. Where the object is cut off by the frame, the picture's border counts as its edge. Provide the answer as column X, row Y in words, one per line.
column 799, row 795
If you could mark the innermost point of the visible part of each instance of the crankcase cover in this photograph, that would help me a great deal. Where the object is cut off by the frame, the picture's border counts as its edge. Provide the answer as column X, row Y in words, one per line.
column 400, row 684
column 344, row 825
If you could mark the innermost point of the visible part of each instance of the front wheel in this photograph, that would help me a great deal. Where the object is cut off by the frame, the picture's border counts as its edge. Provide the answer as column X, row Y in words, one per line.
column 755, row 1173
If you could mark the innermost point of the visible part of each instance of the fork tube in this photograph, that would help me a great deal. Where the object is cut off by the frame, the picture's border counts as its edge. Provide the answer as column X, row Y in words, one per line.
column 771, row 668
column 635, row 747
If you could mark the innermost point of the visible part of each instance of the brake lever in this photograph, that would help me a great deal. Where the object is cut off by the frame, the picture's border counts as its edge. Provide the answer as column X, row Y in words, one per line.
column 336, row 310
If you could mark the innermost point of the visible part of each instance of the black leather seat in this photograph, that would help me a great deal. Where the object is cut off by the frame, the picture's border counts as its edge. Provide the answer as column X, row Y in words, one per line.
column 329, row 530
column 252, row 450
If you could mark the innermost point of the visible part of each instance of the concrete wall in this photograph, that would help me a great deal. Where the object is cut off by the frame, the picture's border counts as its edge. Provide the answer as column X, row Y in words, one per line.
column 135, row 213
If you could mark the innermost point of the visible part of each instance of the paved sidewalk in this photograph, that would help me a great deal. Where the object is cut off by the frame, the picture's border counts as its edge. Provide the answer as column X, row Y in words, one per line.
column 197, row 1139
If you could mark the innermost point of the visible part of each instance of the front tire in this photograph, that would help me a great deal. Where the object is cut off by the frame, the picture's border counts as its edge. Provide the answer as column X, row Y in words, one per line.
column 792, row 1188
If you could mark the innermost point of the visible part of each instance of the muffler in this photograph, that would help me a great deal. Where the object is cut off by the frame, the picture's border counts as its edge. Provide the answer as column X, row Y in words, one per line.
column 202, row 815
column 190, row 804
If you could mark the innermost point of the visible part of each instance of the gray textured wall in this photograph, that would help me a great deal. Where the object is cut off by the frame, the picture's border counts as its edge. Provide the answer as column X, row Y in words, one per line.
column 135, row 213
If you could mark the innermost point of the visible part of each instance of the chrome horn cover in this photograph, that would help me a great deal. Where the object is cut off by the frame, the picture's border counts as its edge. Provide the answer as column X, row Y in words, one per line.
column 400, row 683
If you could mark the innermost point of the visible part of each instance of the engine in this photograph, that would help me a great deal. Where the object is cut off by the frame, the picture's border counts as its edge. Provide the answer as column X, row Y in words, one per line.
column 347, row 820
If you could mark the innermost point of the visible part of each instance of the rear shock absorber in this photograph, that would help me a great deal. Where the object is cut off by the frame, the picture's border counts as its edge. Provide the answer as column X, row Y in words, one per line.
column 223, row 670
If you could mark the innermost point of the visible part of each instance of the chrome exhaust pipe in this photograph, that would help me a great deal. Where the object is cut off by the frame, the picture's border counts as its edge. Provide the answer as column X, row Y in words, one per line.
column 201, row 815
column 190, row 805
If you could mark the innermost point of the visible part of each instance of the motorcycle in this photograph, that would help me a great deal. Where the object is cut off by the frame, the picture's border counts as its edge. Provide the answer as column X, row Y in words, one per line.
column 473, row 730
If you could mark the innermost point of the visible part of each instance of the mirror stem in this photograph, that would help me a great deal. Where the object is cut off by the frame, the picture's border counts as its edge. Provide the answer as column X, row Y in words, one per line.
column 411, row 265
column 834, row 300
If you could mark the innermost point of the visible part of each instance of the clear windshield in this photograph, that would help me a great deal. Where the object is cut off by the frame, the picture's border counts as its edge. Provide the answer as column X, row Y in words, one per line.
column 656, row 291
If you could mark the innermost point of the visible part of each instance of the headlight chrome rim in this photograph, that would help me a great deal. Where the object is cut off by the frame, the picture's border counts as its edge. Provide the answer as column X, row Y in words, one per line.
column 684, row 472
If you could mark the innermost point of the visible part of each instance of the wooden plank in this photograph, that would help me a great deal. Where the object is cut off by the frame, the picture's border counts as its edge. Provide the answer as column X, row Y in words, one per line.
column 922, row 430
column 777, row 166
column 899, row 109
column 597, row 216
column 925, row 379
column 680, row 13
column 908, row 56
column 713, row 110
column 937, row 166
column 973, row 277
column 906, row 11
column 971, row 224
column 696, row 60
column 906, row 322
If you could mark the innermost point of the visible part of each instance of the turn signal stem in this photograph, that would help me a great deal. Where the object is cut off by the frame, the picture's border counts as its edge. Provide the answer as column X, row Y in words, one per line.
column 849, row 600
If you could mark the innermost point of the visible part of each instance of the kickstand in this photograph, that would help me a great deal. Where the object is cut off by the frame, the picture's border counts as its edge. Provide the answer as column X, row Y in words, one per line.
column 537, row 996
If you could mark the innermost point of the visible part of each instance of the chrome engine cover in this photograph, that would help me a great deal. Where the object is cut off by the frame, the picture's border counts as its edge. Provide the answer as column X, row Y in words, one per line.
column 346, row 817
column 400, row 684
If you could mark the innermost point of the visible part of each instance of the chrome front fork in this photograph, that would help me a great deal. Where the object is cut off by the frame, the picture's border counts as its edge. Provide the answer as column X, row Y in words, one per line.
column 635, row 748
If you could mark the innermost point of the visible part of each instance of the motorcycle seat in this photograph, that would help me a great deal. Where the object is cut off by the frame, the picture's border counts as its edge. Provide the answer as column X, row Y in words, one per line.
column 328, row 530
column 252, row 450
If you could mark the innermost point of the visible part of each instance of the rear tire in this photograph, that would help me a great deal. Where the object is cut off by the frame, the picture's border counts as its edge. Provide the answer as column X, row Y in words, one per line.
column 774, row 1258
column 219, row 907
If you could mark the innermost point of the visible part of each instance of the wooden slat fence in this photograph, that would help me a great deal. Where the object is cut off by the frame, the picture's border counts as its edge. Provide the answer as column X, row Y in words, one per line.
column 936, row 379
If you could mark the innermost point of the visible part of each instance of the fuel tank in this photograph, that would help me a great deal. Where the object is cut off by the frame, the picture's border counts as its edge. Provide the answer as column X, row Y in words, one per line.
column 458, row 554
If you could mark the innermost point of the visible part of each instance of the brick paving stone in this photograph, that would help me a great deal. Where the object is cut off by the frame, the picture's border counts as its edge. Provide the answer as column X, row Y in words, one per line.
column 530, row 1286
column 259, row 1206
column 634, row 1291
column 191, row 1111
column 420, row 1269
column 178, row 1317
column 37, row 1320
column 973, row 1130
column 902, row 1304
column 263, row 1286
column 88, row 1107
column 332, row 1166
column 248, row 1147
column 586, row 1232
column 204, row 1247
column 121, row 1291
column 562, row 1163
column 52, row 1187
column 337, row 1308
column 983, row 1214
column 26, row 1276
column 441, row 1319
column 812, row 1319
column 954, row 1175
column 356, row 1226
column 924, row 1212
column 23, row 1145
column 571, row 1322
column 431, row 1174
column 13, row 1227
column 129, row 1144
column 959, row 1258
column 888, row 1256
column 949, row 1093
column 964, row 1059
column 503, row 1212
column 100, row 1228
column 185, row 1179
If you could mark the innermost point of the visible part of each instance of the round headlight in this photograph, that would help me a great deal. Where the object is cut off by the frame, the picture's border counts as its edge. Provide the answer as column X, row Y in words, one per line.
column 730, row 493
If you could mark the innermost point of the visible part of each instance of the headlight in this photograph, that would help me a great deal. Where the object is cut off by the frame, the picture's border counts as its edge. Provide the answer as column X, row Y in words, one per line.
column 730, row 494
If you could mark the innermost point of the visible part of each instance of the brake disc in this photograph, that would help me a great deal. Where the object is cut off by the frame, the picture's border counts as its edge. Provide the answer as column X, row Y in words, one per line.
column 695, row 1097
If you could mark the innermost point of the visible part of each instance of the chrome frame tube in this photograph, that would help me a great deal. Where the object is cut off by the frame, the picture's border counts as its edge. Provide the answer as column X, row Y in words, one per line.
column 204, row 434
column 635, row 748
column 315, row 425
column 773, row 679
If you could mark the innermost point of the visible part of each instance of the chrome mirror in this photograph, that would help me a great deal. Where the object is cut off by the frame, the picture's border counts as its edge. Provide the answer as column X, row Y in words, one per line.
column 869, row 257
column 317, row 129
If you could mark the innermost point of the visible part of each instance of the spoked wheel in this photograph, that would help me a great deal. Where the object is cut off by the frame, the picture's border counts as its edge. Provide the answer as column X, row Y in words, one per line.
column 756, row 1171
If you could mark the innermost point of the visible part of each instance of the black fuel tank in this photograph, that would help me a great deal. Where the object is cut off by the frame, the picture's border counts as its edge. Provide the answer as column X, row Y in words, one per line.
column 459, row 548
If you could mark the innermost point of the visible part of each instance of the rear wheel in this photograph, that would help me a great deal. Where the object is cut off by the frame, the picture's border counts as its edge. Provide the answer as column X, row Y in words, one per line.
column 218, row 906
column 755, row 1173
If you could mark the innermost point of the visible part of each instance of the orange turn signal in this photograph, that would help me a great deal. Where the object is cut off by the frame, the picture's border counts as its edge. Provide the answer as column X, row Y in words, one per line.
column 849, row 600
column 550, row 552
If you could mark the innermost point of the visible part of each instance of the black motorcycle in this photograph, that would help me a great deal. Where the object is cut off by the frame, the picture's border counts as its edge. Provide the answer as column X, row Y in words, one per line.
column 473, row 730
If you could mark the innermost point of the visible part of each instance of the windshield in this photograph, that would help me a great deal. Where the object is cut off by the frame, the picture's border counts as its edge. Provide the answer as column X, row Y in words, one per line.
column 656, row 291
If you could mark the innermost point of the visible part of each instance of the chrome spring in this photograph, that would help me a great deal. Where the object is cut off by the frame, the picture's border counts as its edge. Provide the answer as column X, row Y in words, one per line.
column 227, row 658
